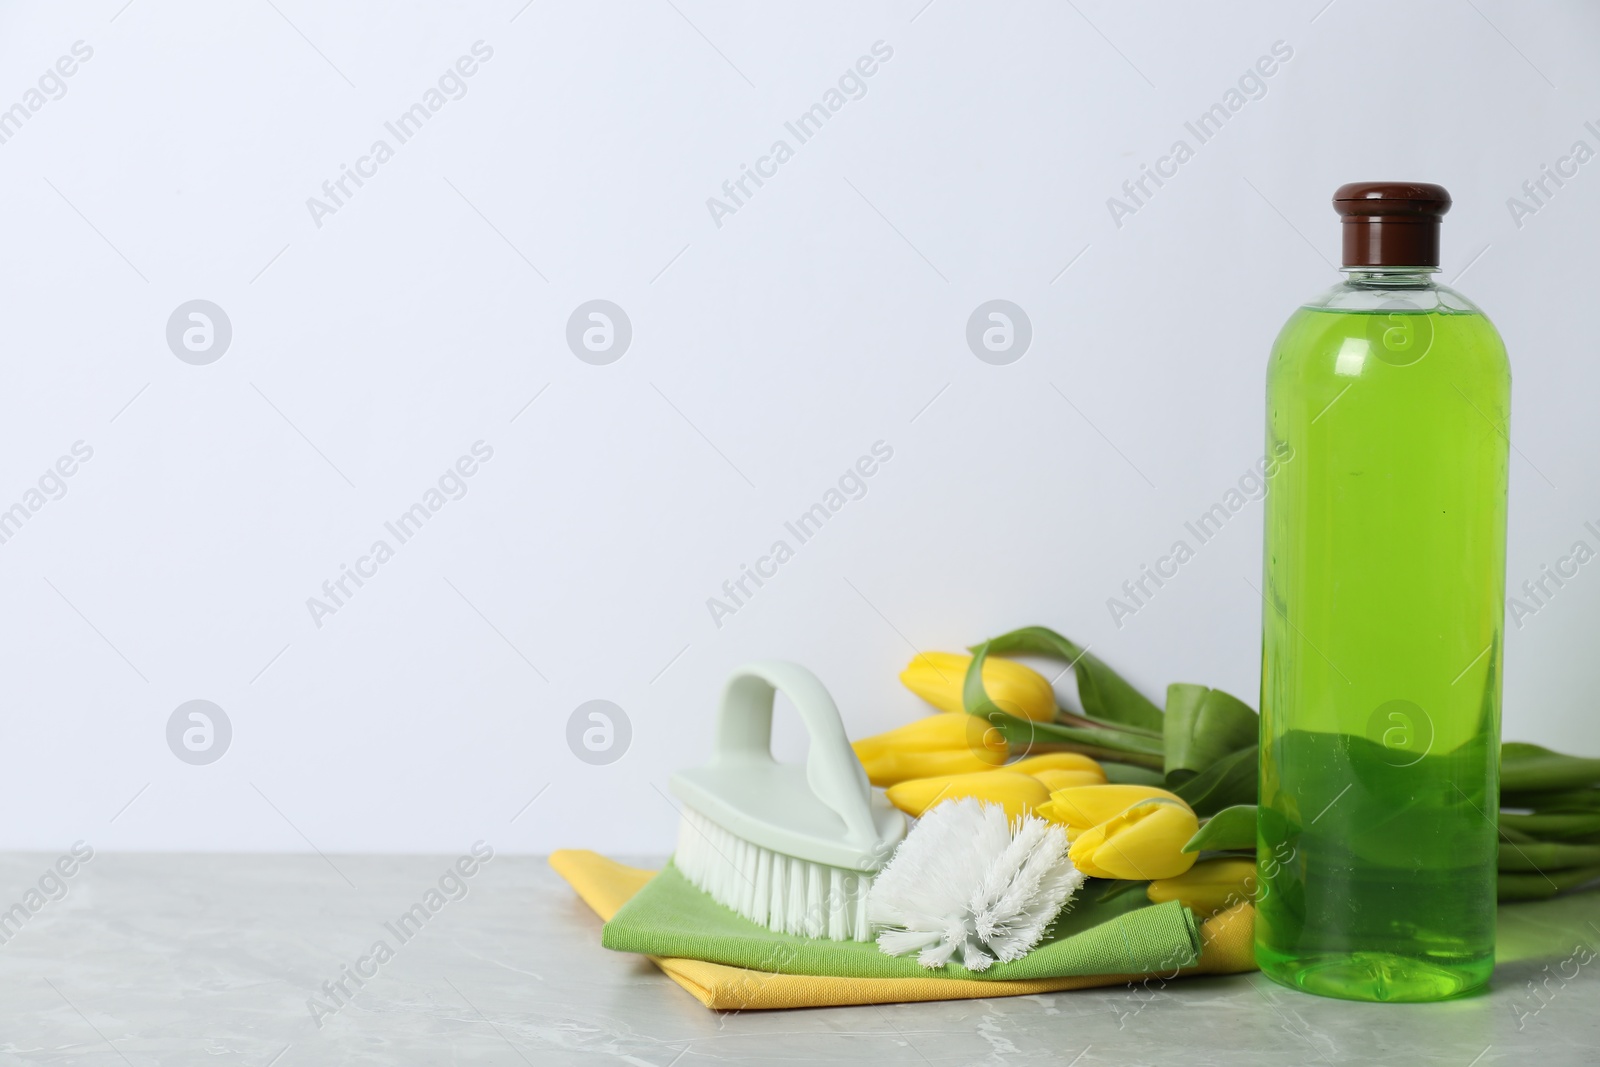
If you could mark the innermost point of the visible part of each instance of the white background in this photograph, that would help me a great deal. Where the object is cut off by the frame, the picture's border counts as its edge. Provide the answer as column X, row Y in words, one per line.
column 768, row 354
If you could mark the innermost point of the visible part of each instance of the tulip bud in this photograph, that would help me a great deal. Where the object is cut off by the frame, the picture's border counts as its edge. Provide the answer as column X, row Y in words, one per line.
column 1209, row 886
column 937, row 745
column 1018, row 794
column 1145, row 842
column 937, row 677
column 1057, row 780
column 1081, row 807
column 1059, row 761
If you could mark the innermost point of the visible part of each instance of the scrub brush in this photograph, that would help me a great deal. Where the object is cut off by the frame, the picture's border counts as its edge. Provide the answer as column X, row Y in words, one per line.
column 970, row 880
column 792, row 848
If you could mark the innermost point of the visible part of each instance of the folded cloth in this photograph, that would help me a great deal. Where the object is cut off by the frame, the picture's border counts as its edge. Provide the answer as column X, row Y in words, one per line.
column 1224, row 947
column 1124, row 935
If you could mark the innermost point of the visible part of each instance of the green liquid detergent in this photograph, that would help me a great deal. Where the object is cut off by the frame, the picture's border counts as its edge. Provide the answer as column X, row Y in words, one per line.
column 1387, row 407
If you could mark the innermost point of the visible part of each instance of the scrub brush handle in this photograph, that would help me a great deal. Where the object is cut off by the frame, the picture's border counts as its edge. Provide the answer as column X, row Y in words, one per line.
column 744, row 738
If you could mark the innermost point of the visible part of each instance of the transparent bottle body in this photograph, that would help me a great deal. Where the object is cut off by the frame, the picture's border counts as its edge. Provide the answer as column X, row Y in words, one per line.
column 1388, row 401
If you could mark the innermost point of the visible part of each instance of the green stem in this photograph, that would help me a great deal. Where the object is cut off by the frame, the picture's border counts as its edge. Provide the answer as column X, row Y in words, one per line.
column 1545, row 856
column 1557, row 827
column 1527, row 768
column 1519, row 886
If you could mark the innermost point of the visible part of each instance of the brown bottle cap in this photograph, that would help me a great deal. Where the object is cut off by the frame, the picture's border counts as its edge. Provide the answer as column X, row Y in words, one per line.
column 1391, row 224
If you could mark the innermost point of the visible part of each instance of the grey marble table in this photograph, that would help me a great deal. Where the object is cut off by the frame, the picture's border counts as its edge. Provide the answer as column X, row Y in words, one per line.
column 237, row 959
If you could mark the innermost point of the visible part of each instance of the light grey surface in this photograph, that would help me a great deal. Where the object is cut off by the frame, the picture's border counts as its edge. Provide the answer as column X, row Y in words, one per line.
column 175, row 959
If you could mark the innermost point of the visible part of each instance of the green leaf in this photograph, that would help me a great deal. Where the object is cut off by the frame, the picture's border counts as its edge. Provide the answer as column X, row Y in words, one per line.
column 974, row 697
column 1525, row 768
column 1115, row 887
column 1518, row 886
column 1104, row 694
column 1031, row 738
column 1233, row 827
column 1204, row 725
column 1229, row 781
column 1546, row 856
column 1118, row 773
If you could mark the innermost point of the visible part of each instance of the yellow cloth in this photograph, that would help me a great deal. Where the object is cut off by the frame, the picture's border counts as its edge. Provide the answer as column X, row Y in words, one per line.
column 605, row 885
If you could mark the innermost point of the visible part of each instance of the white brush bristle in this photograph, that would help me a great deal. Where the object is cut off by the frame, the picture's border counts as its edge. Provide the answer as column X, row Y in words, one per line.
column 968, row 880
column 779, row 892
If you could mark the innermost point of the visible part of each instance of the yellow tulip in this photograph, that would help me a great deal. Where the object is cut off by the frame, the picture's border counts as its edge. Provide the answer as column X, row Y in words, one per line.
column 937, row 677
column 1209, row 886
column 1055, row 780
column 933, row 746
column 1018, row 794
column 1144, row 842
column 1059, row 761
column 1081, row 807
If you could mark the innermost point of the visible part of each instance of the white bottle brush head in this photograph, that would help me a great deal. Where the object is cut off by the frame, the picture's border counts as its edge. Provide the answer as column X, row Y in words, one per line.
column 969, row 880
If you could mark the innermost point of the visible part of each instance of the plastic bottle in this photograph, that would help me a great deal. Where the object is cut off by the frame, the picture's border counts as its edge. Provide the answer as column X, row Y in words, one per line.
column 1388, row 400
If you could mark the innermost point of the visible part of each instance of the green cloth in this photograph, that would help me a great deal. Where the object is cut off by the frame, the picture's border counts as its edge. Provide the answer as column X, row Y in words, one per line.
column 1124, row 935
